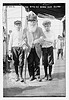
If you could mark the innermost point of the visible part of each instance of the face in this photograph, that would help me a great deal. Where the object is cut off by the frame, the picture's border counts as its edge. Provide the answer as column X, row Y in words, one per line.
column 47, row 27
column 32, row 25
column 18, row 27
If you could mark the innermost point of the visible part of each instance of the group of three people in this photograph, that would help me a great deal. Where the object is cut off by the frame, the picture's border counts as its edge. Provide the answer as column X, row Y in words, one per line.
column 35, row 42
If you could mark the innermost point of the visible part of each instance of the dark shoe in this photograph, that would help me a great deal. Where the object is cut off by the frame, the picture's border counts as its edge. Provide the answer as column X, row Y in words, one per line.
column 40, row 80
column 21, row 80
column 50, row 78
column 37, row 77
column 17, row 78
column 45, row 78
column 32, row 78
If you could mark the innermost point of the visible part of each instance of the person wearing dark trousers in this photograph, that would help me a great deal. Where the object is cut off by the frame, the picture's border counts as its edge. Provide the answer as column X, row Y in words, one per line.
column 33, row 35
column 18, row 57
column 60, row 51
column 16, row 49
column 48, row 61
column 33, row 63
column 47, row 50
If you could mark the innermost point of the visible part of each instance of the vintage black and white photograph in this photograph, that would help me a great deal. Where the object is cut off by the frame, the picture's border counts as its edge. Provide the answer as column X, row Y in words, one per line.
column 34, row 49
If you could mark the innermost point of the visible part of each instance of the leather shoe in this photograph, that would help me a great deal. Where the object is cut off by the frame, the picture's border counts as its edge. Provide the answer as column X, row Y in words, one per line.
column 49, row 78
column 32, row 78
column 45, row 78
column 17, row 79
column 21, row 80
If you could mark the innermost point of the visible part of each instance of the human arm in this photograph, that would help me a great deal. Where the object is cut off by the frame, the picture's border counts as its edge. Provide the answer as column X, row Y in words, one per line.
column 49, row 37
column 41, row 36
column 25, row 40
column 10, row 44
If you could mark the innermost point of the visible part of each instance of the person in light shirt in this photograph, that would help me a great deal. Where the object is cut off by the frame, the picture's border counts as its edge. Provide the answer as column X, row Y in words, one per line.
column 47, row 49
column 16, row 47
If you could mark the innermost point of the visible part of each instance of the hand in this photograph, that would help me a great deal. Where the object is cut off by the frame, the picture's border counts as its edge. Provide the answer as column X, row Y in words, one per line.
column 25, row 47
column 10, row 54
column 39, row 40
column 35, row 41
column 32, row 45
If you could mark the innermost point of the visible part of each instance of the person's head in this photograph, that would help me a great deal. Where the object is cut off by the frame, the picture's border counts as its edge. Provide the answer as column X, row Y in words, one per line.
column 47, row 25
column 60, row 37
column 32, row 21
column 17, row 25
